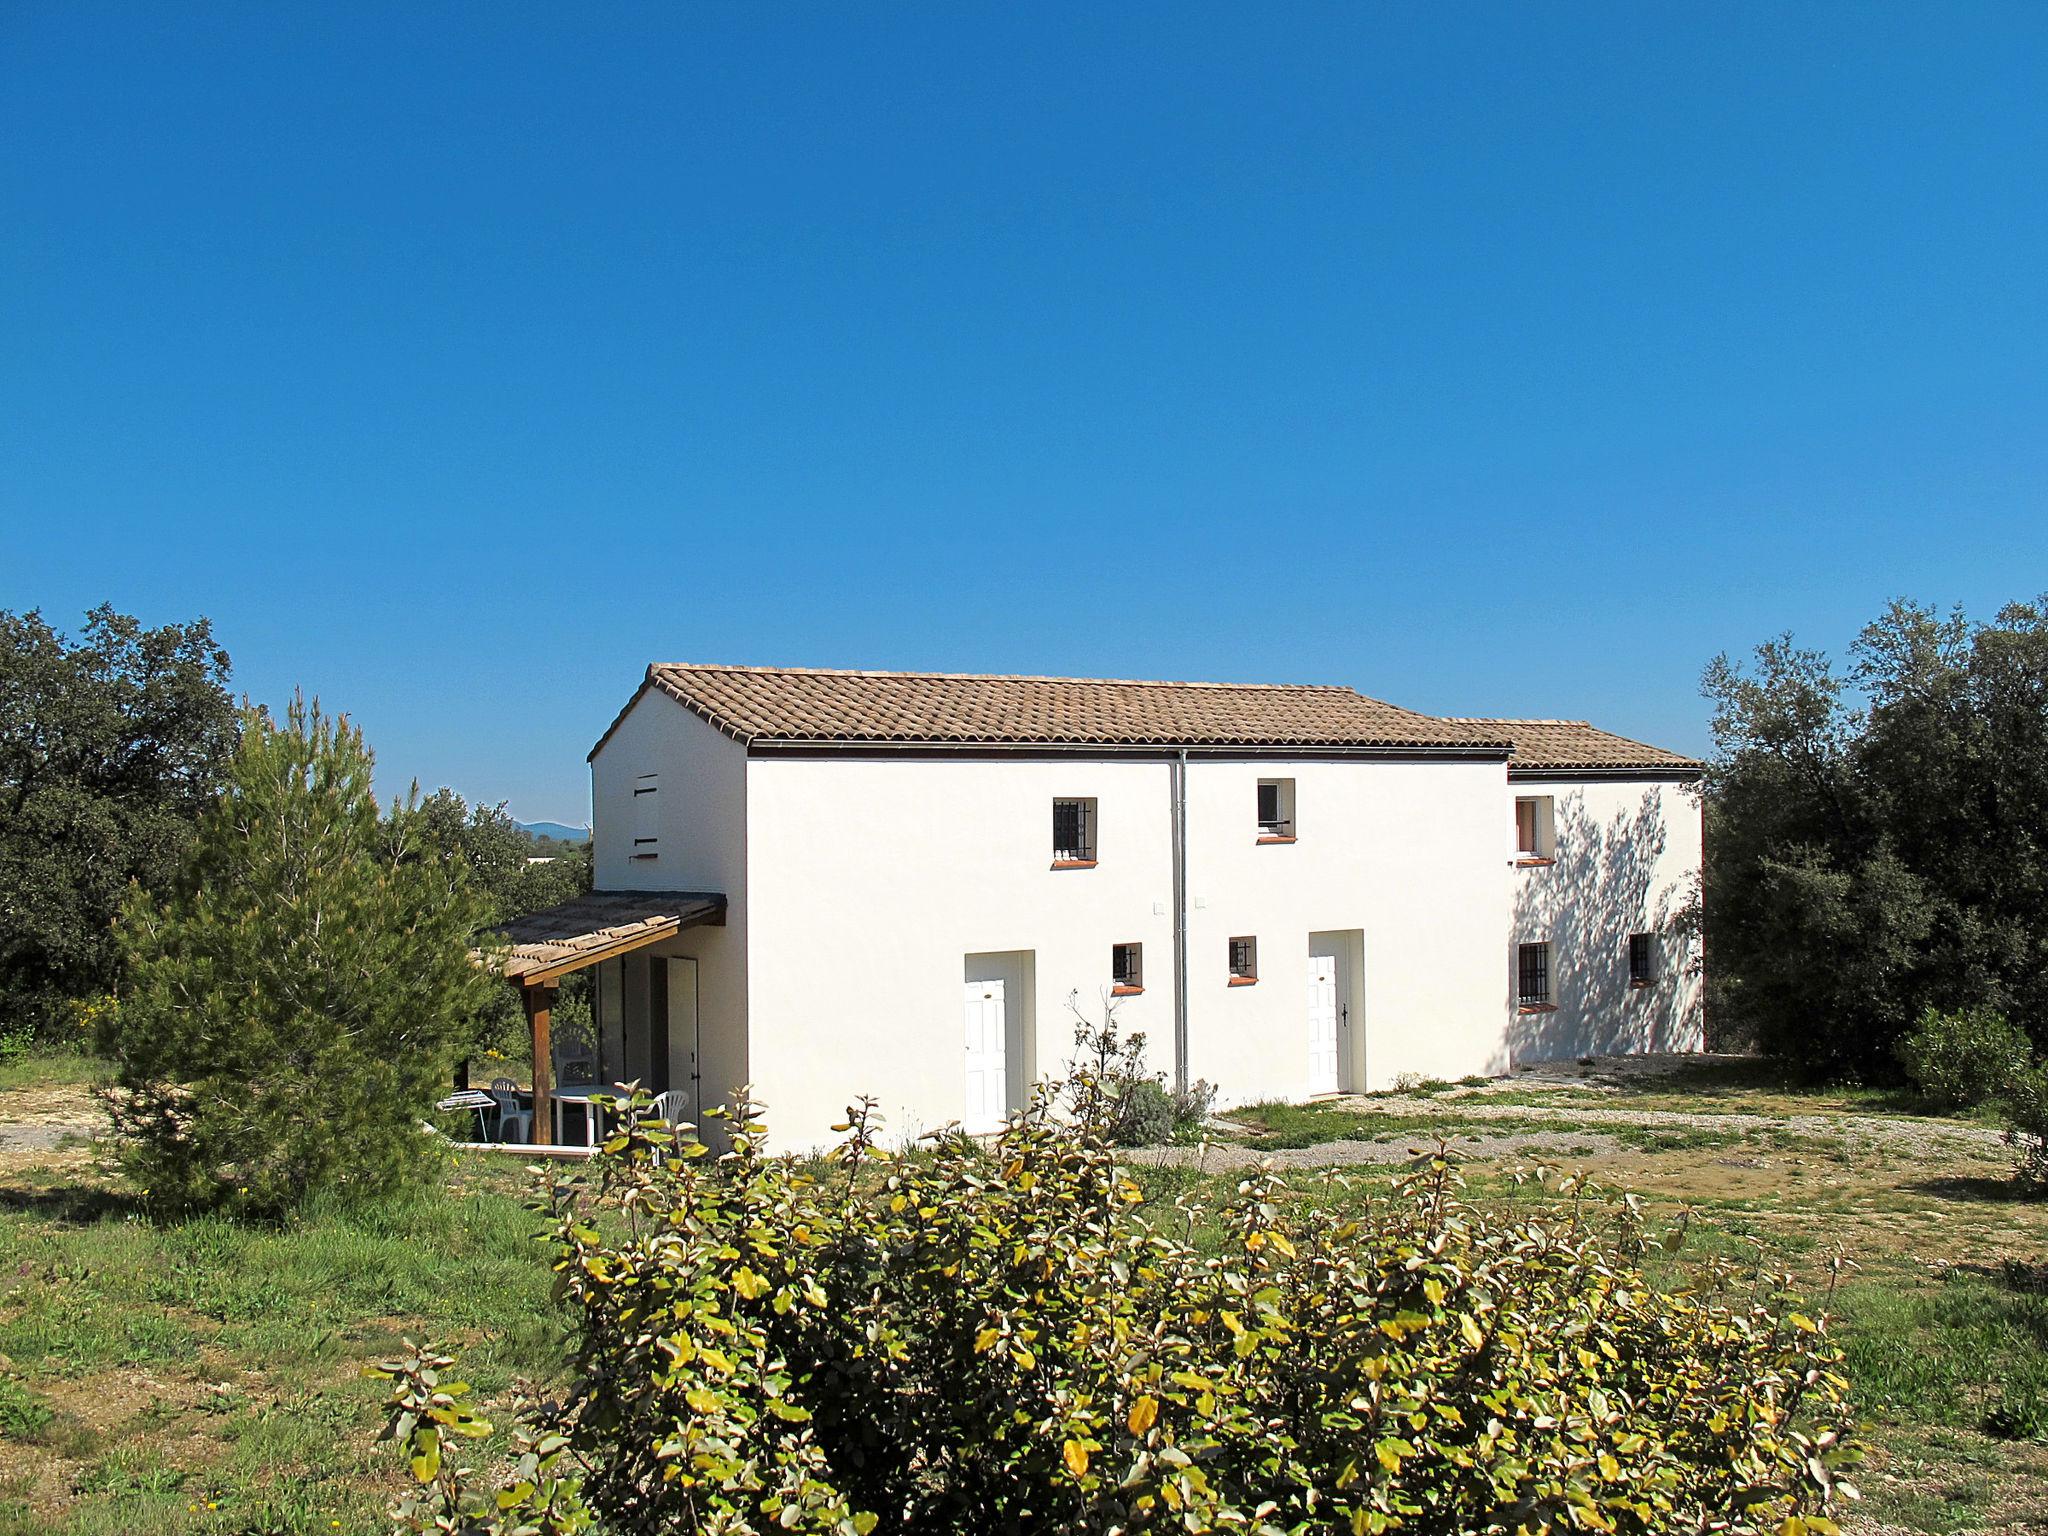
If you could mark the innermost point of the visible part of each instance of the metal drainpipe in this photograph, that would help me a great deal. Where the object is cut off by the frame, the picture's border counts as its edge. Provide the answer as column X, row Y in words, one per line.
column 1178, row 790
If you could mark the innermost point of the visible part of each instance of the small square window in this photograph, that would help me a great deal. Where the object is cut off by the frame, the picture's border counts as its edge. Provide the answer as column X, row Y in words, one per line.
column 1276, row 810
column 1532, row 975
column 1535, row 827
column 1642, row 959
column 1244, row 961
column 1073, row 833
column 1127, row 968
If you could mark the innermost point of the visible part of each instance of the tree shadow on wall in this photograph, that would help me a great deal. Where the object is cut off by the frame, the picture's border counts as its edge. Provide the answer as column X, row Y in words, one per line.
column 1603, row 888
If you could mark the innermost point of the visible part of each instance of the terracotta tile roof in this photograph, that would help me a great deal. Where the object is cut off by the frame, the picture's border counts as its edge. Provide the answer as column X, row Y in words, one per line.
column 802, row 704
column 1554, row 745
column 596, row 926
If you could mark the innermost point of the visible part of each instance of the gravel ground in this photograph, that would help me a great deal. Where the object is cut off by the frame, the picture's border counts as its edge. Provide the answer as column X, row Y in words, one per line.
column 1523, row 1131
column 39, row 1119
column 1227, row 1156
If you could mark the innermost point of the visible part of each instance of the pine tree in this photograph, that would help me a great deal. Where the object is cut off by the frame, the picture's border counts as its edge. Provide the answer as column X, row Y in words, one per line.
column 292, row 1006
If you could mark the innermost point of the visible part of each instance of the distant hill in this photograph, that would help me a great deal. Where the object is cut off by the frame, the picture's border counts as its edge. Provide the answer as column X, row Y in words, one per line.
column 555, row 830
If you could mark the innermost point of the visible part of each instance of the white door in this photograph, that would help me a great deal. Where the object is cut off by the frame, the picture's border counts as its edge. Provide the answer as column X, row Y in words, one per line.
column 682, row 1032
column 1322, row 1023
column 987, row 1070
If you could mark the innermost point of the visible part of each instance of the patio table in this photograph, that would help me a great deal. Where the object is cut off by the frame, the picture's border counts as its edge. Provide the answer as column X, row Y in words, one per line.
column 579, row 1094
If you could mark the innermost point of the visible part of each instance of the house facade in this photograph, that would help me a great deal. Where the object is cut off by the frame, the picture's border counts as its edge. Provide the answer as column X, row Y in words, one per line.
column 922, row 881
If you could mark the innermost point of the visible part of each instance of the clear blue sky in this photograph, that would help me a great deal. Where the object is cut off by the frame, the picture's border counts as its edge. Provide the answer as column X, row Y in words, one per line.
column 1494, row 359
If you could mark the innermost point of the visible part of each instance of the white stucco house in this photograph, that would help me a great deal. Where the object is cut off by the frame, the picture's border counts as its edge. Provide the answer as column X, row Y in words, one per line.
column 826, row 884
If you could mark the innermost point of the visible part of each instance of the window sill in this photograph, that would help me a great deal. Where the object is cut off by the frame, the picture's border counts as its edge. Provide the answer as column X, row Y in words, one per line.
column 1073, row 863
column 1642, row 985
column 1121, row 991
column 1532, row 861
column 1244, row 981
column 1264, row 840
column 1536, row 1008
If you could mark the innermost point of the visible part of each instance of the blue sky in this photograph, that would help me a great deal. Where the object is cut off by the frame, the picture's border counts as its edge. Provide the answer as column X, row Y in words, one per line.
column 1494, row 359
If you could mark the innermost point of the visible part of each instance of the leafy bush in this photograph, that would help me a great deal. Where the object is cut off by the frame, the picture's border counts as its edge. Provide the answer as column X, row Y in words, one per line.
column 970, row 1340
column 2023, row 1107
column 1966, row 1057
column 292, row 1007
column 1109, row 1086
column 1147, row 1119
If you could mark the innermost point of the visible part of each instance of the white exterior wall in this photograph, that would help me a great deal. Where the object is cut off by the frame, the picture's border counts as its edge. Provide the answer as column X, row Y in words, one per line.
column 1627, row 860
column 1406, row 854
column 700, row 823
column 872, row 880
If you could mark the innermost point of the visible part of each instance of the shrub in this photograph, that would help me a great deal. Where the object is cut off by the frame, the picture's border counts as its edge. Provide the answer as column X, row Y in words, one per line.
column 2023, row 1107
column 1966, row 1057
column 973, row 1339
column 1109, row 1086
column 292, row 1007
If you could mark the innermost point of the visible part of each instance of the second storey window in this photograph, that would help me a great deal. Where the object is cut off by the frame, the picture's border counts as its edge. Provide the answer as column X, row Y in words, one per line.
column 1642, row 959
column 1127, row 968
column 1532, row 975
column 1276, row 810
column 1244, row 961
column 1073, row 832
column 1535, row 827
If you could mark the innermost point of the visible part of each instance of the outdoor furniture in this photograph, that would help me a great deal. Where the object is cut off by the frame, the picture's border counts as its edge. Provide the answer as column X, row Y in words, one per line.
column 580, row 1095
column 476, row 1099
column 669, row 1108
column 512, row 1113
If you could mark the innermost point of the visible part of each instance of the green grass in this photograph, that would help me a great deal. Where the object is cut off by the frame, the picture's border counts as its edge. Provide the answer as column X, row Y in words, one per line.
column 42, row 1068
column 219, row 1365
column 1968, row 1350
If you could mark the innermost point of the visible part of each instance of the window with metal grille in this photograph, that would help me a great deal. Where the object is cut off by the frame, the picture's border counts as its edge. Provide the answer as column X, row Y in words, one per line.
column 1244, row 959
column 1073, row 831
column 1532, row 987
column 1127, row 966
column 1642, row 959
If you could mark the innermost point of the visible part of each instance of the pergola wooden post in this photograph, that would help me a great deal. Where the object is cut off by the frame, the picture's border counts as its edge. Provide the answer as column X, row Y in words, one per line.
column 540, row 1002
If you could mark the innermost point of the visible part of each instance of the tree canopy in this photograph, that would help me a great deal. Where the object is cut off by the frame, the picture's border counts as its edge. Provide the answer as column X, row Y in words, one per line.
column 293, row 1005
column 1877, row 838
column 110, row 747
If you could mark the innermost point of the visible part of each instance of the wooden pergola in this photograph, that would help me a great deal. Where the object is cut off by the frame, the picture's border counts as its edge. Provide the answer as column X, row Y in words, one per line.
column 536, row 951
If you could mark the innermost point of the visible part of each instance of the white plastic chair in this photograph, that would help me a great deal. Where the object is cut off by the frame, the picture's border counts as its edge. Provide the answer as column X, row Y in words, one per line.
column 512, row 1115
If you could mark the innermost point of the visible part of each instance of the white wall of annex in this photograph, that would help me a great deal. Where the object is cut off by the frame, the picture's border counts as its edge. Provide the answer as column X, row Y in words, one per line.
column 701, row 829
column 872, row 880
column 1407, row 854
column 1627, row 861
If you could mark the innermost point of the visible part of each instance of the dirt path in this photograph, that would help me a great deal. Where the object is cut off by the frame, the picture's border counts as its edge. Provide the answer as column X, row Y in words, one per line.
column 38, row 1121
column 1227, row 1156
column 1550, row 1130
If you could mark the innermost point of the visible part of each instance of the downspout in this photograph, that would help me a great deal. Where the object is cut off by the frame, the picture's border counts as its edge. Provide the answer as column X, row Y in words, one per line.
column 1178, row 792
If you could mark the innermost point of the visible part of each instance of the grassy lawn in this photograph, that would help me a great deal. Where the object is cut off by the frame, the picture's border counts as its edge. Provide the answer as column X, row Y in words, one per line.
column 204, row 1377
